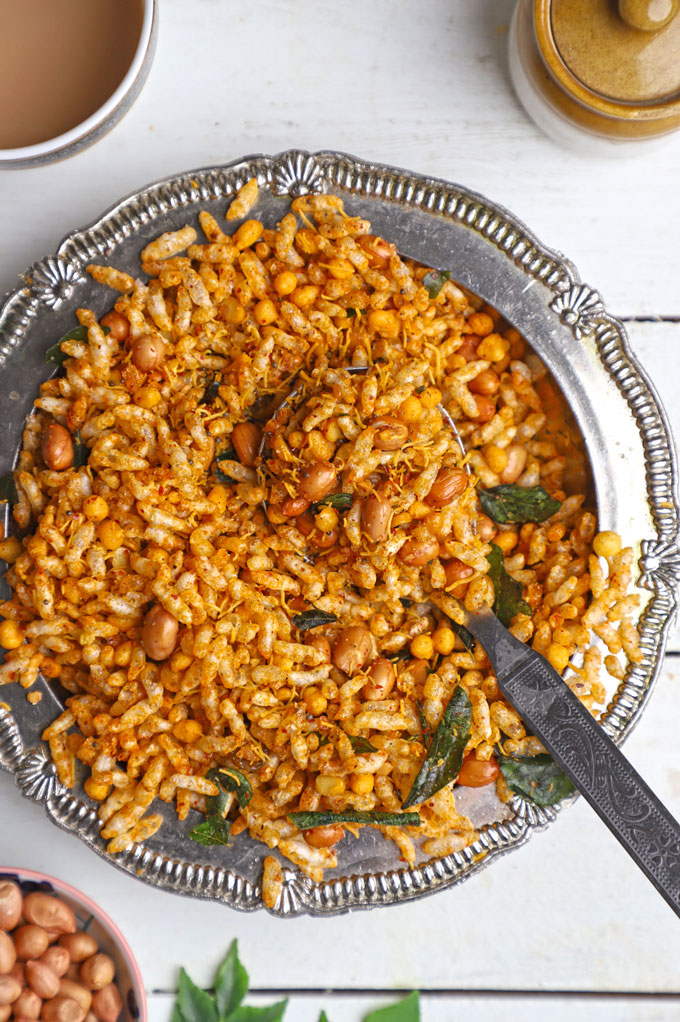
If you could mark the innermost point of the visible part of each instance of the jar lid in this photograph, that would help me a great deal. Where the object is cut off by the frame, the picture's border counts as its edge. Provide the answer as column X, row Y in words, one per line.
column 627, row 53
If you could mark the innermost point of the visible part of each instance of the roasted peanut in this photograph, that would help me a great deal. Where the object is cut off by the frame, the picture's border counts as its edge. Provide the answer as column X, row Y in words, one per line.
column 485, row 408
column 486, row 383
column 295, row 506
column 97, row 972
column 517, row 459
column 117, row 324
column 352, row 648
column 375, row 516
column 324, row 837
column 53, row 915
column 62, row 1009
column 456, row 571
column 11, row 901
column 389, row 433
column 9, row 990
column 42, row 980
column 159, row 633
column 316, row 480
column 377, row 249
column 58, row 958
column 78, row 946
column 106, row 1004
column 8, row 955
column 148, row 352
column 485, row 528
column 381, row 680
column 27, row 1005
column 30, row 942
column 417, row 552
column 448, row 485
column 56, row 447
column 321, row 643
column 246, row 438
column 77, row 991
column 475, row 773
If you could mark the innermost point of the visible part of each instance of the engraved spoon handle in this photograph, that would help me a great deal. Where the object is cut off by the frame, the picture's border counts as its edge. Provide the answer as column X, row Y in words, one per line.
column 587, row 755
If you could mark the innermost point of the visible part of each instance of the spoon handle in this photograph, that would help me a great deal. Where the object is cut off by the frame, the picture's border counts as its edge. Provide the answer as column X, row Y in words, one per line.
column 586, row 754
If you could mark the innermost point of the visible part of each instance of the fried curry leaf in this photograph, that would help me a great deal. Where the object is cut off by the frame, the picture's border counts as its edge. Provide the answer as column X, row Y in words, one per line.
column 425, row 729
column 406, row 1010
column 467, row 638
column 537, row 778
column 401, row 654
column 518, row 504
column 312, row 619
column 445, row 754
column 305, row 820
column 508, row 591
column 213, row 831
column 210, row 393
column 79, row 333
column 434, row 281
column 80, row 452
column 361, row 745
column 8, row 489
column 339, row 501
column 406, row 601
column 229, row 780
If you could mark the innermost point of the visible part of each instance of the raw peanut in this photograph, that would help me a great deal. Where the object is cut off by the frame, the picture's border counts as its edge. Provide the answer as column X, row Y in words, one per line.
column 8, row 955
column 56, row 447
column 42, row 980
column 30, row 942
column 9, row 990
column 50, row 913
column 97, row 972
column 117, row 324
column 381, row 683
column 148, row 352
column 475, row 773
column 77, row 992
column 58, row 958
column 27, row 1005
column 78, row 946
column 246, row 438
column 19, row 974
column 5, row 1012
column 352, row 648
column 417, row 552
column 324, row 837
column 375, row 516
column 448, row 485
column 106, row 1004
column 316, row 480
column 11, row 901
column 390, row 433
column 159, row 633
column 73, row 972
column 62, row 1009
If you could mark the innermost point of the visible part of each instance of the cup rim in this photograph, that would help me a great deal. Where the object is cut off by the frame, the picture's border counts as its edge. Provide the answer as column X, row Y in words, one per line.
column 61, row 886
column 83, row 128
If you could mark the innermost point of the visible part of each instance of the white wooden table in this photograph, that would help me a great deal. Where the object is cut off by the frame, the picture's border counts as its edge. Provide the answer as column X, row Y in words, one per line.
column 566, row 927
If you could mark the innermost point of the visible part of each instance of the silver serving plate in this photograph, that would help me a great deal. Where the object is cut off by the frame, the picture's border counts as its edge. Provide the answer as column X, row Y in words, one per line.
column 493, row 254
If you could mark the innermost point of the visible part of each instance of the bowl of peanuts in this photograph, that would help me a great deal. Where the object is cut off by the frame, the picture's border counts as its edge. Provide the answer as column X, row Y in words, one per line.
column 264, row 450
column 62, row 959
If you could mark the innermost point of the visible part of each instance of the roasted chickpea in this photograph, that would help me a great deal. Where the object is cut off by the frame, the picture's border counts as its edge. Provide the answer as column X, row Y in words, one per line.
column 246, row 438
column 56, row 447
column 381, row 680
column 148, row 352
column 118, row 325
column 324, row 837
column 475, row 773
column 159, row 633
column 316, row 480
column 352, row 648
column 375, row 516
column 448, row 485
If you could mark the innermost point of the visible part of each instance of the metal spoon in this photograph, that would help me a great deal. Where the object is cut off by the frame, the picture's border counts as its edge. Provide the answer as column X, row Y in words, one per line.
column 577, row 743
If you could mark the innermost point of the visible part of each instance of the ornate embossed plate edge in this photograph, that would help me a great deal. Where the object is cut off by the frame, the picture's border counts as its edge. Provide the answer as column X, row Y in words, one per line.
column 51, row 283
